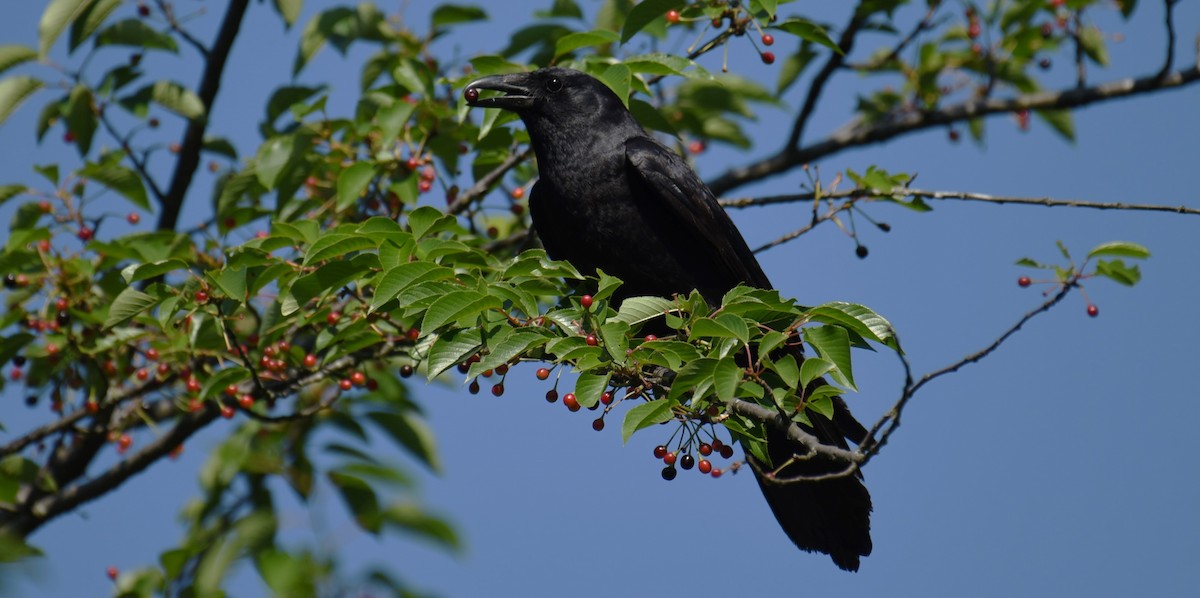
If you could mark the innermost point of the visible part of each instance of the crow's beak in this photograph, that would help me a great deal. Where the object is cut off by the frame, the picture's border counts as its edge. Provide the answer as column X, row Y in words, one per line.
column 515, row 87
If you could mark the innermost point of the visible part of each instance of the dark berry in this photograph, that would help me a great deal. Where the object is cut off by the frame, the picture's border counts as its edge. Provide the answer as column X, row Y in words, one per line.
column 551, row 395
column 85, row 234
column 10, row 281
column 1092, row 310
column 726, row 451
column 768, row 57
column 598, row 424
column 497, row 389
column 1024, row 281
column 669, row 472
column 406, row 371
column 687, row 461
column 473, row 388
column 861, row 251
column 471, row 94
column 660, row 451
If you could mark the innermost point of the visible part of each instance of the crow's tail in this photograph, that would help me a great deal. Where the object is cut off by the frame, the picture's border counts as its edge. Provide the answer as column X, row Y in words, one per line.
column 831, row 516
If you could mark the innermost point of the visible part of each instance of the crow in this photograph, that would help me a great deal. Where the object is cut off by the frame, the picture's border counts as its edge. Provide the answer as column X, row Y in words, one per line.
column 610, row 196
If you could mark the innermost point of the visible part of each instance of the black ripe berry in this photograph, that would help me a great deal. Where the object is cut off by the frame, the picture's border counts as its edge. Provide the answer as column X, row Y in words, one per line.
column 669, row 472
column 598, row 424
column 471, row 94
column 474, row 387
column 861, row 251
column 726, row 451
column 551, row 395
column 660, row 451
column 406, row 371
column 687, row 461
column 10, row 281
column 498, row 389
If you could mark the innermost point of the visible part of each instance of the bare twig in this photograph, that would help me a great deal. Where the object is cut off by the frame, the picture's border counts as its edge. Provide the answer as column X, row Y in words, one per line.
column 794, row 432
column 1169, row 61
column 817, row 87
column 485, row 182
column 859, row 133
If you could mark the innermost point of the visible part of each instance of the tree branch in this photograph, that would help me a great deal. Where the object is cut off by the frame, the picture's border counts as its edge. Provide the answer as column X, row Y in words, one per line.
column 858, row 133
column 193, row 136
column 816, row 89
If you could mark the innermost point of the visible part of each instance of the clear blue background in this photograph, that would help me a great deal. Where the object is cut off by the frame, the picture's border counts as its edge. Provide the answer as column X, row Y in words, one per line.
column 1062, row 465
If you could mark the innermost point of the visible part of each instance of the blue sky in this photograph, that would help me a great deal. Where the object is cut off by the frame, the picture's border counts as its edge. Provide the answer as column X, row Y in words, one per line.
column 1061, row 465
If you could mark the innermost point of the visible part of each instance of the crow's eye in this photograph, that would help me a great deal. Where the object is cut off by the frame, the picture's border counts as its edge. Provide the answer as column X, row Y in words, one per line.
column 554, row 84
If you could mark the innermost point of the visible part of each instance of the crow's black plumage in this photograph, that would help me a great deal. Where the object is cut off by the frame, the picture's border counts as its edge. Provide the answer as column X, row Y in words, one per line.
column 610, row 196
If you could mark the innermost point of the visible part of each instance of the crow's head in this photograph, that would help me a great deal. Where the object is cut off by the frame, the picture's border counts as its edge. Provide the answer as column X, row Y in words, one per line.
column 555, row 93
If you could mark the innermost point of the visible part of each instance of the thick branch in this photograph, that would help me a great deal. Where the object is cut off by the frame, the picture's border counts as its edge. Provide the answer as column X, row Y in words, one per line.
column 193, row 136
column 794, row 432
column 859, row 133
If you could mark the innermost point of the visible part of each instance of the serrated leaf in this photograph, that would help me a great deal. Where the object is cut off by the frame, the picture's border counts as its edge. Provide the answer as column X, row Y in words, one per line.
column 401, row 277
column 15, row 90
column 352, row 182
column 411, row 432
column 618, row 78
column 644, row 416
column 135, row 272
column 129, row 303
column 584, row 39
column 1120, row 249
column 857, row 318
column 724, row 325
column 833, row 344
column 589, row 387
column 56, row 17
column 334, row 245
column 136, row 33
column 788, row 370
column 452, row 348
column 1119, row 272
column 455, row 305
column 120, row 179
column 643, row 13
column 501, row 350
column 810, row 31
column 636, row 310
column 14, row 54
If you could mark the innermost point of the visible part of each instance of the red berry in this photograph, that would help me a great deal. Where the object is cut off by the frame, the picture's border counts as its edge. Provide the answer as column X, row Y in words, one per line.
column 246, row 401
column 768, row 57
column 669, row 458
column 413, row 162
column 231, row 390
column 502, row 369
column 1024, row 281
column 497, row 389
column 44, row 245
column 1092, row 310
column 591, row 340
column 373, row 385
column 953, row 134
column 143, row 10
column 345, row 384
column 134, row 218
column 333, row 317
column 201, row 297
column 973, row 30
column 174, row 148
column 716, row 472
column 111, row 572
column 227, row 412
column 768, row 39
column 697, row 147
column 91, row 406
column 586, row 301
column 651, row 337
column 660, row 451
column 428, row 173
column 672, row 16
column 606, row 398
column 358, row 378
column 543, row 373
column 705, row 466
column 163, row 369
column 706, row 449
column 193, row 385
column 143, row 375
column 85, row 234
column 414, row 334
column 571, row 402
column 598, row 424
column 717, row 444
column 551, row 395
column 152, row 354
column 69, row 137
column 310, row 361
column 124, row 442
column 518, row 193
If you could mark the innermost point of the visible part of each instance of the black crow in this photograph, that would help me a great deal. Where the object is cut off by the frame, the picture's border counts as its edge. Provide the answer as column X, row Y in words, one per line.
column 611, row 196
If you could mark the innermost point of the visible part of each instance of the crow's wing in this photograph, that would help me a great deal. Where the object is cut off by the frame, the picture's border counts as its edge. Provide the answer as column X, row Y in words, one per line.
column 661, row 176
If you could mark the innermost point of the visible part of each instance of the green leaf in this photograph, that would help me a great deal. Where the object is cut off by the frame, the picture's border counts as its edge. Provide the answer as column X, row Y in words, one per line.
column 695, row 378
column 177, row 99
column 807, row 30
column 396, row 280
column 857, row 318
column 289, row 10
column 726, row 377
column 360, row 499
column 636, row 310
column 135, row 272
column 54, row 19
column 643, row 14
column 788, row 370
column 352, row 182
column 120, row 179
column 14, row 54
column 1118, row 271
column 583, row 39
column 417, row 522
column 412, row 433
column 501, row 350
column 450, row 14
column 328, row 278
column 618, row 78
column 589, row 387
column 335, row 245
column 15, row 90
column 813, row 368
column 452, row 348
column 272, row 158
column 1091, row 39
column 136, row 33
column 833, row 344
column 8, row 192
column 129, row 303
column 770, row 341
column 644, row 416
column 724, row 325
column 231, row 281
column 1061, row 121
column 457, row 305
column 90, row 20
column 80, row 115
column 1120, row 249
